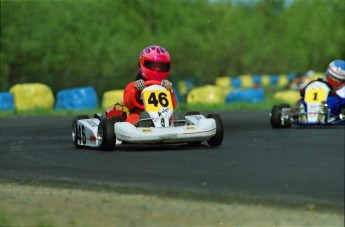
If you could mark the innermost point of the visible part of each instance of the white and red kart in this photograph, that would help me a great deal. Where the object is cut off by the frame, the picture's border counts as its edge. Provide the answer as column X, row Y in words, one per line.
column 158, row 124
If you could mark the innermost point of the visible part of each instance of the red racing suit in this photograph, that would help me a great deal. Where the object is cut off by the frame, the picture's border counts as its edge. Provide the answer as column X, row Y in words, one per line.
column 134, row 115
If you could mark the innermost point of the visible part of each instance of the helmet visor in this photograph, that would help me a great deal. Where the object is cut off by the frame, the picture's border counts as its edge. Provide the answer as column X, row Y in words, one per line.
column 157, row 66
column 335, row 78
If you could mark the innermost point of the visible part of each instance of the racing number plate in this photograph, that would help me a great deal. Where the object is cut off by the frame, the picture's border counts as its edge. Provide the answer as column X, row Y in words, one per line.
column 154, row 100
column 315, row 95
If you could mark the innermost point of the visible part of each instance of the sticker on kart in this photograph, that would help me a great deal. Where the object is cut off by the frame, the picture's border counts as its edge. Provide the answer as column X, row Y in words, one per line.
column 315, row 95
column 155, row 100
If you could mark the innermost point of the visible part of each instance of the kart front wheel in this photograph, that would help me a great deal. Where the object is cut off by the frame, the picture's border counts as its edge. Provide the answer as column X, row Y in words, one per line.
column 276, row 117
column 106, row 135
column 217, row 139
column 75, row 131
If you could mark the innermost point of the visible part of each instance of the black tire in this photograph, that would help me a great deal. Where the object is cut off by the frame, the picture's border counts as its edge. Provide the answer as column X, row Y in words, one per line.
column 217, row 139
column 106, row 134
column 275, row 118
column 75, row 130
column 342, row 113
column 285, row 105
column 276, row 114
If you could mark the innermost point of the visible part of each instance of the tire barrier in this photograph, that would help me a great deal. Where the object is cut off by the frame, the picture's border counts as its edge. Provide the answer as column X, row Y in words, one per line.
column 247, row 81
column 242, row 88
column 184, row 86
column 112, row 97
column 32, row 96
column 251, row 95
column 235, row 82
column 289, row 96
column 208, row 94
column 299, row 82
column 255, row 81
column 82, row 98
column 6, row 101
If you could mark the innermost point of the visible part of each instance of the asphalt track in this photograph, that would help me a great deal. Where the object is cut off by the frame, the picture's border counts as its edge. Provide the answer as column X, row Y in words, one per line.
column 300, row 165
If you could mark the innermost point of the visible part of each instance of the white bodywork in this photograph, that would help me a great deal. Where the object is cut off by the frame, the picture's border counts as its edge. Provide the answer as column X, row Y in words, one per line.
column 315, row 93
column 88, row 132
column 200, row 129
column 196, row 127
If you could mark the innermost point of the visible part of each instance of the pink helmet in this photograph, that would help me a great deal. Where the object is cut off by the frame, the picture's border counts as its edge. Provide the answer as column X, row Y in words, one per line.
column 154, row 63
column 335, row 74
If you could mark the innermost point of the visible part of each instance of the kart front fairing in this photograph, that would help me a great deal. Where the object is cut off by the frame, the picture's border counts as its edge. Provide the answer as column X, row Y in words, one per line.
column 203, row 130
column 195, row 128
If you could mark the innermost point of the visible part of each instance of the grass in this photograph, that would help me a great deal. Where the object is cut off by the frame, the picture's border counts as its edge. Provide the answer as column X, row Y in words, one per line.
column 23, row 205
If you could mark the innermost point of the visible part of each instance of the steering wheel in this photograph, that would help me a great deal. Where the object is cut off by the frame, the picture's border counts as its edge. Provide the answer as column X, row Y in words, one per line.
column 135, row 93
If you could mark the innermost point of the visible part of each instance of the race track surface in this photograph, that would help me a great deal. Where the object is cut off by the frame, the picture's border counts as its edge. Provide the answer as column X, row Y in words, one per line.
column 300, row 165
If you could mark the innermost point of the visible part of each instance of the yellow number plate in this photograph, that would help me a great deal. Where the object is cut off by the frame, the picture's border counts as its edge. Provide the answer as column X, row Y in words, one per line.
column 315, row 95
column 154, row 100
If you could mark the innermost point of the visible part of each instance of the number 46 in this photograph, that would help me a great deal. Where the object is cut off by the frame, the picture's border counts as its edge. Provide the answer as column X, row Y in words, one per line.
column 161, row 99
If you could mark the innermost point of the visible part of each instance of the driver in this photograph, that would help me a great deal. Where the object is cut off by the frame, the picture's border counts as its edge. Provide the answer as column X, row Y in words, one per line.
column 335, row 78
column 154, row 64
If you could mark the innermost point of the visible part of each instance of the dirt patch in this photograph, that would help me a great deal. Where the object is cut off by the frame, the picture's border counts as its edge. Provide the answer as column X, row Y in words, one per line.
column 45, row 206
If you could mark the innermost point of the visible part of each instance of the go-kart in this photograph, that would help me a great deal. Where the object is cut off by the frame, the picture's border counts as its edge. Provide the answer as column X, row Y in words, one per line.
column 158, row 124
column 313, row 109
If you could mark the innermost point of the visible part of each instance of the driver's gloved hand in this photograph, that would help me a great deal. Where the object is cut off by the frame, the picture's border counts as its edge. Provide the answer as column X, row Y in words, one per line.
column 168, row 85
column 139, row 84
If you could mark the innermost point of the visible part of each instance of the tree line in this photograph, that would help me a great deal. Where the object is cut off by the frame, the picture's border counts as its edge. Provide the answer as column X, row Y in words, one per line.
column 67, row 44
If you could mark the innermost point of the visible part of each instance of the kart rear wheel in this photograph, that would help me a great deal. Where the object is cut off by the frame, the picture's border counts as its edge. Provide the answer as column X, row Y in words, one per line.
column 106, row 134
column 217, row 139
column 285, row 105
column 75, row 131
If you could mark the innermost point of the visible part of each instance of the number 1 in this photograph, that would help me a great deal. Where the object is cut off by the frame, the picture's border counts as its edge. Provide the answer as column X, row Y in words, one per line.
column 315, row 96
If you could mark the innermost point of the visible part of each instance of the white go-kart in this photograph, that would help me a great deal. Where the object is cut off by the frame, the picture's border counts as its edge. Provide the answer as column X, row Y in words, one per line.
column 158, row 124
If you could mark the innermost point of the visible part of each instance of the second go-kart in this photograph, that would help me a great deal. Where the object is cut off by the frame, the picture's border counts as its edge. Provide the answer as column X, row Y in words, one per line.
column 313, row 109
column 158, row 124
